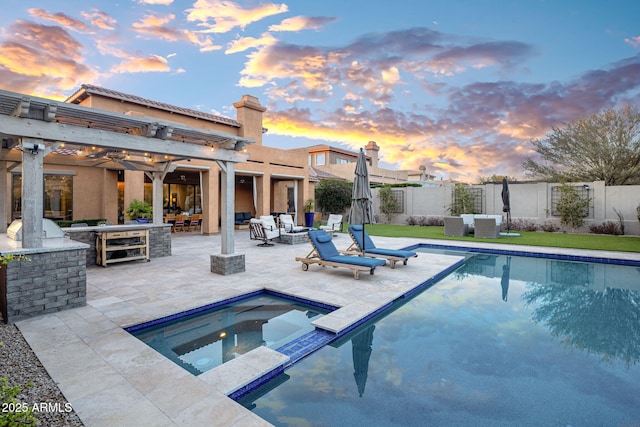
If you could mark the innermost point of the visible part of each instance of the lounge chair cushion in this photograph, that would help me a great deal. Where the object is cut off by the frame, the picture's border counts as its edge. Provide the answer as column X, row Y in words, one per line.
column 370, row 247
column 390, row 252
column 323, row 238
column 328, row 252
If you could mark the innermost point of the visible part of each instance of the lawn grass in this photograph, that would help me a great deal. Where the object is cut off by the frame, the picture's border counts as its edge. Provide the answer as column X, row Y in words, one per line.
column 532, row 238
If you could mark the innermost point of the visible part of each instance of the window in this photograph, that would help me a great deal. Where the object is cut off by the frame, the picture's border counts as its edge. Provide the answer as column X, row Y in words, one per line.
column 342, row 161
column 58, row 197
column 320, row 159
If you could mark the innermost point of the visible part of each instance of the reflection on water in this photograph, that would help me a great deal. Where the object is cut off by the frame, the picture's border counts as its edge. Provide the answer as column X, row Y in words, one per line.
column 605, row 322
column 485, row 346
column 593, row 307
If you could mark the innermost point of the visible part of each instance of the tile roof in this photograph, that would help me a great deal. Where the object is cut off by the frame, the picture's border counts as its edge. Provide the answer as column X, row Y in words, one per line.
column 87, row 89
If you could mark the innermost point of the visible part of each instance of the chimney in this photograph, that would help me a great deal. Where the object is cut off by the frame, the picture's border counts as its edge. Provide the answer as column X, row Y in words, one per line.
column 249, row 114
column 372, row 151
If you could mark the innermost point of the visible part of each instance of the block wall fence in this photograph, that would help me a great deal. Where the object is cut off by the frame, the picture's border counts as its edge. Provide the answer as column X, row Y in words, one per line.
column 530, row 201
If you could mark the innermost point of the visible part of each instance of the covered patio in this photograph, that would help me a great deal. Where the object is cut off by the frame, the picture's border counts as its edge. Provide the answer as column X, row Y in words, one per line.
column 33, row 128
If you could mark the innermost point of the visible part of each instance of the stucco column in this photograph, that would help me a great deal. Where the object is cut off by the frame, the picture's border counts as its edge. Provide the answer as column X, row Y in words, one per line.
column 210, row 201
column 158, row 202
column 264, row 195
column 228, row 207
column 3, row 201
column 133, row 187
column 32, row 192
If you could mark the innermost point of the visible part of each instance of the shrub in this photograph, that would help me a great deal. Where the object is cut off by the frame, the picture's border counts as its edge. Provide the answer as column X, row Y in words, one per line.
column 414, row 220
column 388, row 204
column 333, row 195
column 549, row 227
column 523, row 224
column 139, row 209
column 620, row 220
column 435, row 221
column 607, row 227
column 463, row 200
column 432, row 221
column 572, row 207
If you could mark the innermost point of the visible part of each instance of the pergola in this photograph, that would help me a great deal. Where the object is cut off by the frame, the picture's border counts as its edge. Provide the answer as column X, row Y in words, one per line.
column 32, row 127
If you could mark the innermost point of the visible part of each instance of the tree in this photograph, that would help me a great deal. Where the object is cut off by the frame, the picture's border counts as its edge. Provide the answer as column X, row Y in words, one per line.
column 333, row 195
column 463, row 200
column 572, row 207
column 495, row 179
column 602, row 147
column 388, row 204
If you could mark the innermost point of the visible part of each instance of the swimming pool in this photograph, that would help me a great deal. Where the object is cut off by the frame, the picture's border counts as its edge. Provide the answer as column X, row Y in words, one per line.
column 504, row 340
column 206, row 337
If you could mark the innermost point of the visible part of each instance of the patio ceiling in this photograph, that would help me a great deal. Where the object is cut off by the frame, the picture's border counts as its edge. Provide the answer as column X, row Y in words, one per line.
column 93, row 137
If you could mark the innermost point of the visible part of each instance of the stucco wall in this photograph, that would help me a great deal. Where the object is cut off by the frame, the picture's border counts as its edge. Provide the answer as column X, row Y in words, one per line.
column 530, row 201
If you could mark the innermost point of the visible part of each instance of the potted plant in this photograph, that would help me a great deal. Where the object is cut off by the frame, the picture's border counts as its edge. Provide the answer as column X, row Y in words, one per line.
column 308, row 213
column 139, row 210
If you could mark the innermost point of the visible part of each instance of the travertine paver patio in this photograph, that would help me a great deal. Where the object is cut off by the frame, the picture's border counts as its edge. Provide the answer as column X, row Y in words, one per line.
column 111, row 378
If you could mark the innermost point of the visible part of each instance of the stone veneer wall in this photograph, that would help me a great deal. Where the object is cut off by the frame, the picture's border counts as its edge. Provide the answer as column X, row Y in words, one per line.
column 159, row 239
column 52, row 281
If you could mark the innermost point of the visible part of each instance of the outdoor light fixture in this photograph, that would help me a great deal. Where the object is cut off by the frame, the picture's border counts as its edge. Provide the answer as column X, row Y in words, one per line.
column 586, row 186
column 32, row 146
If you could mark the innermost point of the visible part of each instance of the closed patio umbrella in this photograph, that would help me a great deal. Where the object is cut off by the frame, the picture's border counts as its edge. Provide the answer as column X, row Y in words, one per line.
column 361, row 199
column 506, row 203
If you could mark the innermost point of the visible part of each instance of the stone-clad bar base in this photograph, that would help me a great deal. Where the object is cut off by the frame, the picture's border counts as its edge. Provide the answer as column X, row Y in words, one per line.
column 54, row 279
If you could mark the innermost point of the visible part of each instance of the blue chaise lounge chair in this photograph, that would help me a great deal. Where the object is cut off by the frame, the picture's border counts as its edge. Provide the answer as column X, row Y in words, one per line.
column 370, row 249
column 324, row 253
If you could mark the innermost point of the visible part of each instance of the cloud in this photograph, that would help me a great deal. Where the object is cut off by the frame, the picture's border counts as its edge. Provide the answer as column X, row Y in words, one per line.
column 41, row 60
column 61, row 19
column 221, row 16
column 151, row 63
column 460, row 131
column 633, row 41
column 100, row 19
column 153, row 2
column 485, row 128
column 299, row 23
column 504, row 54
column 155, row 26
column 372, row 66
column 245, row 43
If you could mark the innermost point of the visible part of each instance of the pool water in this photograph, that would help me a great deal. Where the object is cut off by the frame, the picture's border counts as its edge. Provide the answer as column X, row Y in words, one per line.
column 207, row 338
column 502, row 341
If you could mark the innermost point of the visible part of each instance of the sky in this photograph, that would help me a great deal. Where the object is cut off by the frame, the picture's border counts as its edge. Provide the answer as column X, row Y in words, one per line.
column 461, row 87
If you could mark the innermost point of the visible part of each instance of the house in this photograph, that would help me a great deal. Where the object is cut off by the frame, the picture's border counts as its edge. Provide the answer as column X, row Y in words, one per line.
column 334, row 162
column 93, row 182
